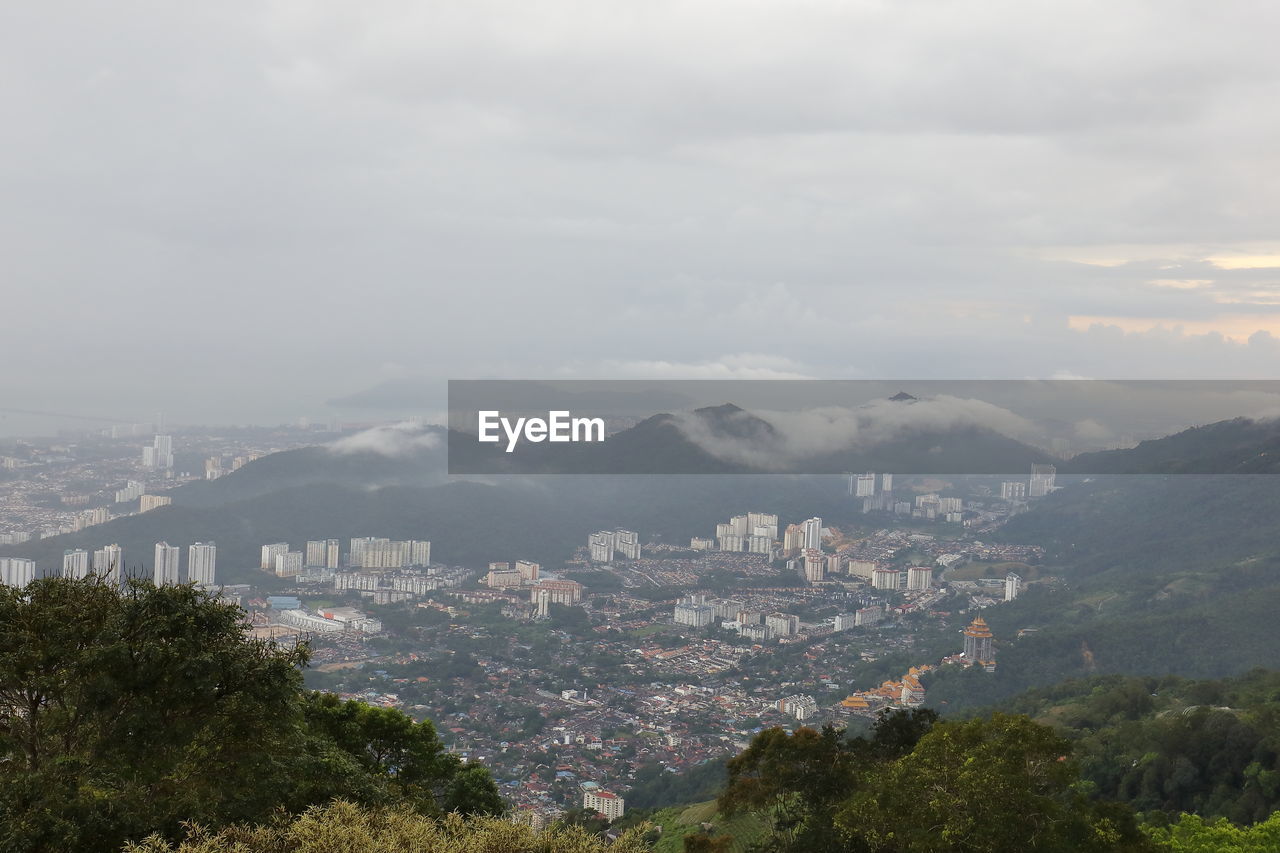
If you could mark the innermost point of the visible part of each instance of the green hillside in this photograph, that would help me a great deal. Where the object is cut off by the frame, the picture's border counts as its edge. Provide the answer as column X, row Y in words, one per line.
column 745, row 828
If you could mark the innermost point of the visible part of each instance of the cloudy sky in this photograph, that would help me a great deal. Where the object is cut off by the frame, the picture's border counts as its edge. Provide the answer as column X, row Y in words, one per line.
column 238, row 211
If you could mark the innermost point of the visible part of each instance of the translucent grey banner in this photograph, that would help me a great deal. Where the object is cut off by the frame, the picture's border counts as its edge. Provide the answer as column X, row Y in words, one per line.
column 909, row 427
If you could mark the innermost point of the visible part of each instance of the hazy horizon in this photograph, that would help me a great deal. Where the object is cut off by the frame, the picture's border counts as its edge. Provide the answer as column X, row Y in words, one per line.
column 237, row 214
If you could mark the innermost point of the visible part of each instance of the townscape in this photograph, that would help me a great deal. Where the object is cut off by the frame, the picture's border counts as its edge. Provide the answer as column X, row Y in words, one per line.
column 572, row 682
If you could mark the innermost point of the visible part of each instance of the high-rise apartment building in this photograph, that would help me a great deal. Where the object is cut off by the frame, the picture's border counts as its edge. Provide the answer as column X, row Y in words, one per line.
column 812, row 533
column 270, row 552
column 1013, row 491
column 1042, row 477
column 202, row 559
column 815, row 566
column 160, row 454
column 627, row 543
column 149, row 502
column 887, row 579
column 288, row 564
column 17, row 571
column 864, row 486
column 166, row 565
column 131, row 492
column 75, row 564
column 762, row 524
column 919, row 577
column 782, row 624
column 317, row 553
column 419, row 552
column 108, row 563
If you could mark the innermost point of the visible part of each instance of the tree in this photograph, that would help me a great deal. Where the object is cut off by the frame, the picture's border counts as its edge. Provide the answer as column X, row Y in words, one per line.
column 121, row 713
column 983, row 786
column 126, row 713
column 1193, row 834
column 346, row 826
column 396, row 759
column 802, row 778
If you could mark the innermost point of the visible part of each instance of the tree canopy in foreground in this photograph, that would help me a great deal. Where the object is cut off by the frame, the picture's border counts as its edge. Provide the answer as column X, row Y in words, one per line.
column 130, row 712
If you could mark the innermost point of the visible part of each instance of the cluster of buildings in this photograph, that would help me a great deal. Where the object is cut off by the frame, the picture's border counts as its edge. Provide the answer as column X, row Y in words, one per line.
column 909, row 692
column 526, row 576
column 215, row 467
column 906, row 692
column 107, row 562
column 1041, row 484
column 603, row 545
column 800, row 706
column 752, row 533
column 389, row 586
column 363, row 553
column 699, row 611
column 159, row 455
column 102, row 475
column 202, row 558
column 326, row 620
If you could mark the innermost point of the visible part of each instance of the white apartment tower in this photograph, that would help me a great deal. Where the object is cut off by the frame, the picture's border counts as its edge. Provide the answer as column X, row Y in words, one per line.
column 159, row 454
column 17, row 571
column 317, row 553
column 419, row 552
column 813, row 533
column 1013, row 490
column 600, row 546
column 865, row 486
column 288, row 564
column 270, row 552
column 166, row 567
column 108, row 563
column 75, row 564
column 919, row 577
column 202, row 558
column 1042, row 477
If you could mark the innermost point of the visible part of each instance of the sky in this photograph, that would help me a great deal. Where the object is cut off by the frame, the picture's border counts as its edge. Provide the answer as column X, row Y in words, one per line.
column 240, row 212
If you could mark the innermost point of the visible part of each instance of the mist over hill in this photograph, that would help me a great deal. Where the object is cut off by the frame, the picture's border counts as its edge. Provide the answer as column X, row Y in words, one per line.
column 903, row 435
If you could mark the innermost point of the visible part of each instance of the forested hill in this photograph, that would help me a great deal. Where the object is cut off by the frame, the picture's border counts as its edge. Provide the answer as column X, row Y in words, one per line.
column 1170, row 744
column 1237, row 446
column 1153, row 575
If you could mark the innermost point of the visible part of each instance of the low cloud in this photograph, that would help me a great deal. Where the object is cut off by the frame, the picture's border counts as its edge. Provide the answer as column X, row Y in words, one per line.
column 797, row 435
column 402, row 439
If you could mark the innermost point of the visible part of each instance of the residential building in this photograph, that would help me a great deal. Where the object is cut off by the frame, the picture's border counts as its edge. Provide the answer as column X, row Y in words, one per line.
column 17, row 571
column 611, row 806
column 75, row 564
column 202, row 559
column 919, row 577
column 269, row 554
column 167, row 562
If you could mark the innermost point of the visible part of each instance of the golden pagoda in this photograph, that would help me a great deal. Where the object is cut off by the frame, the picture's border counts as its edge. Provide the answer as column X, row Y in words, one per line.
column 977, row 644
